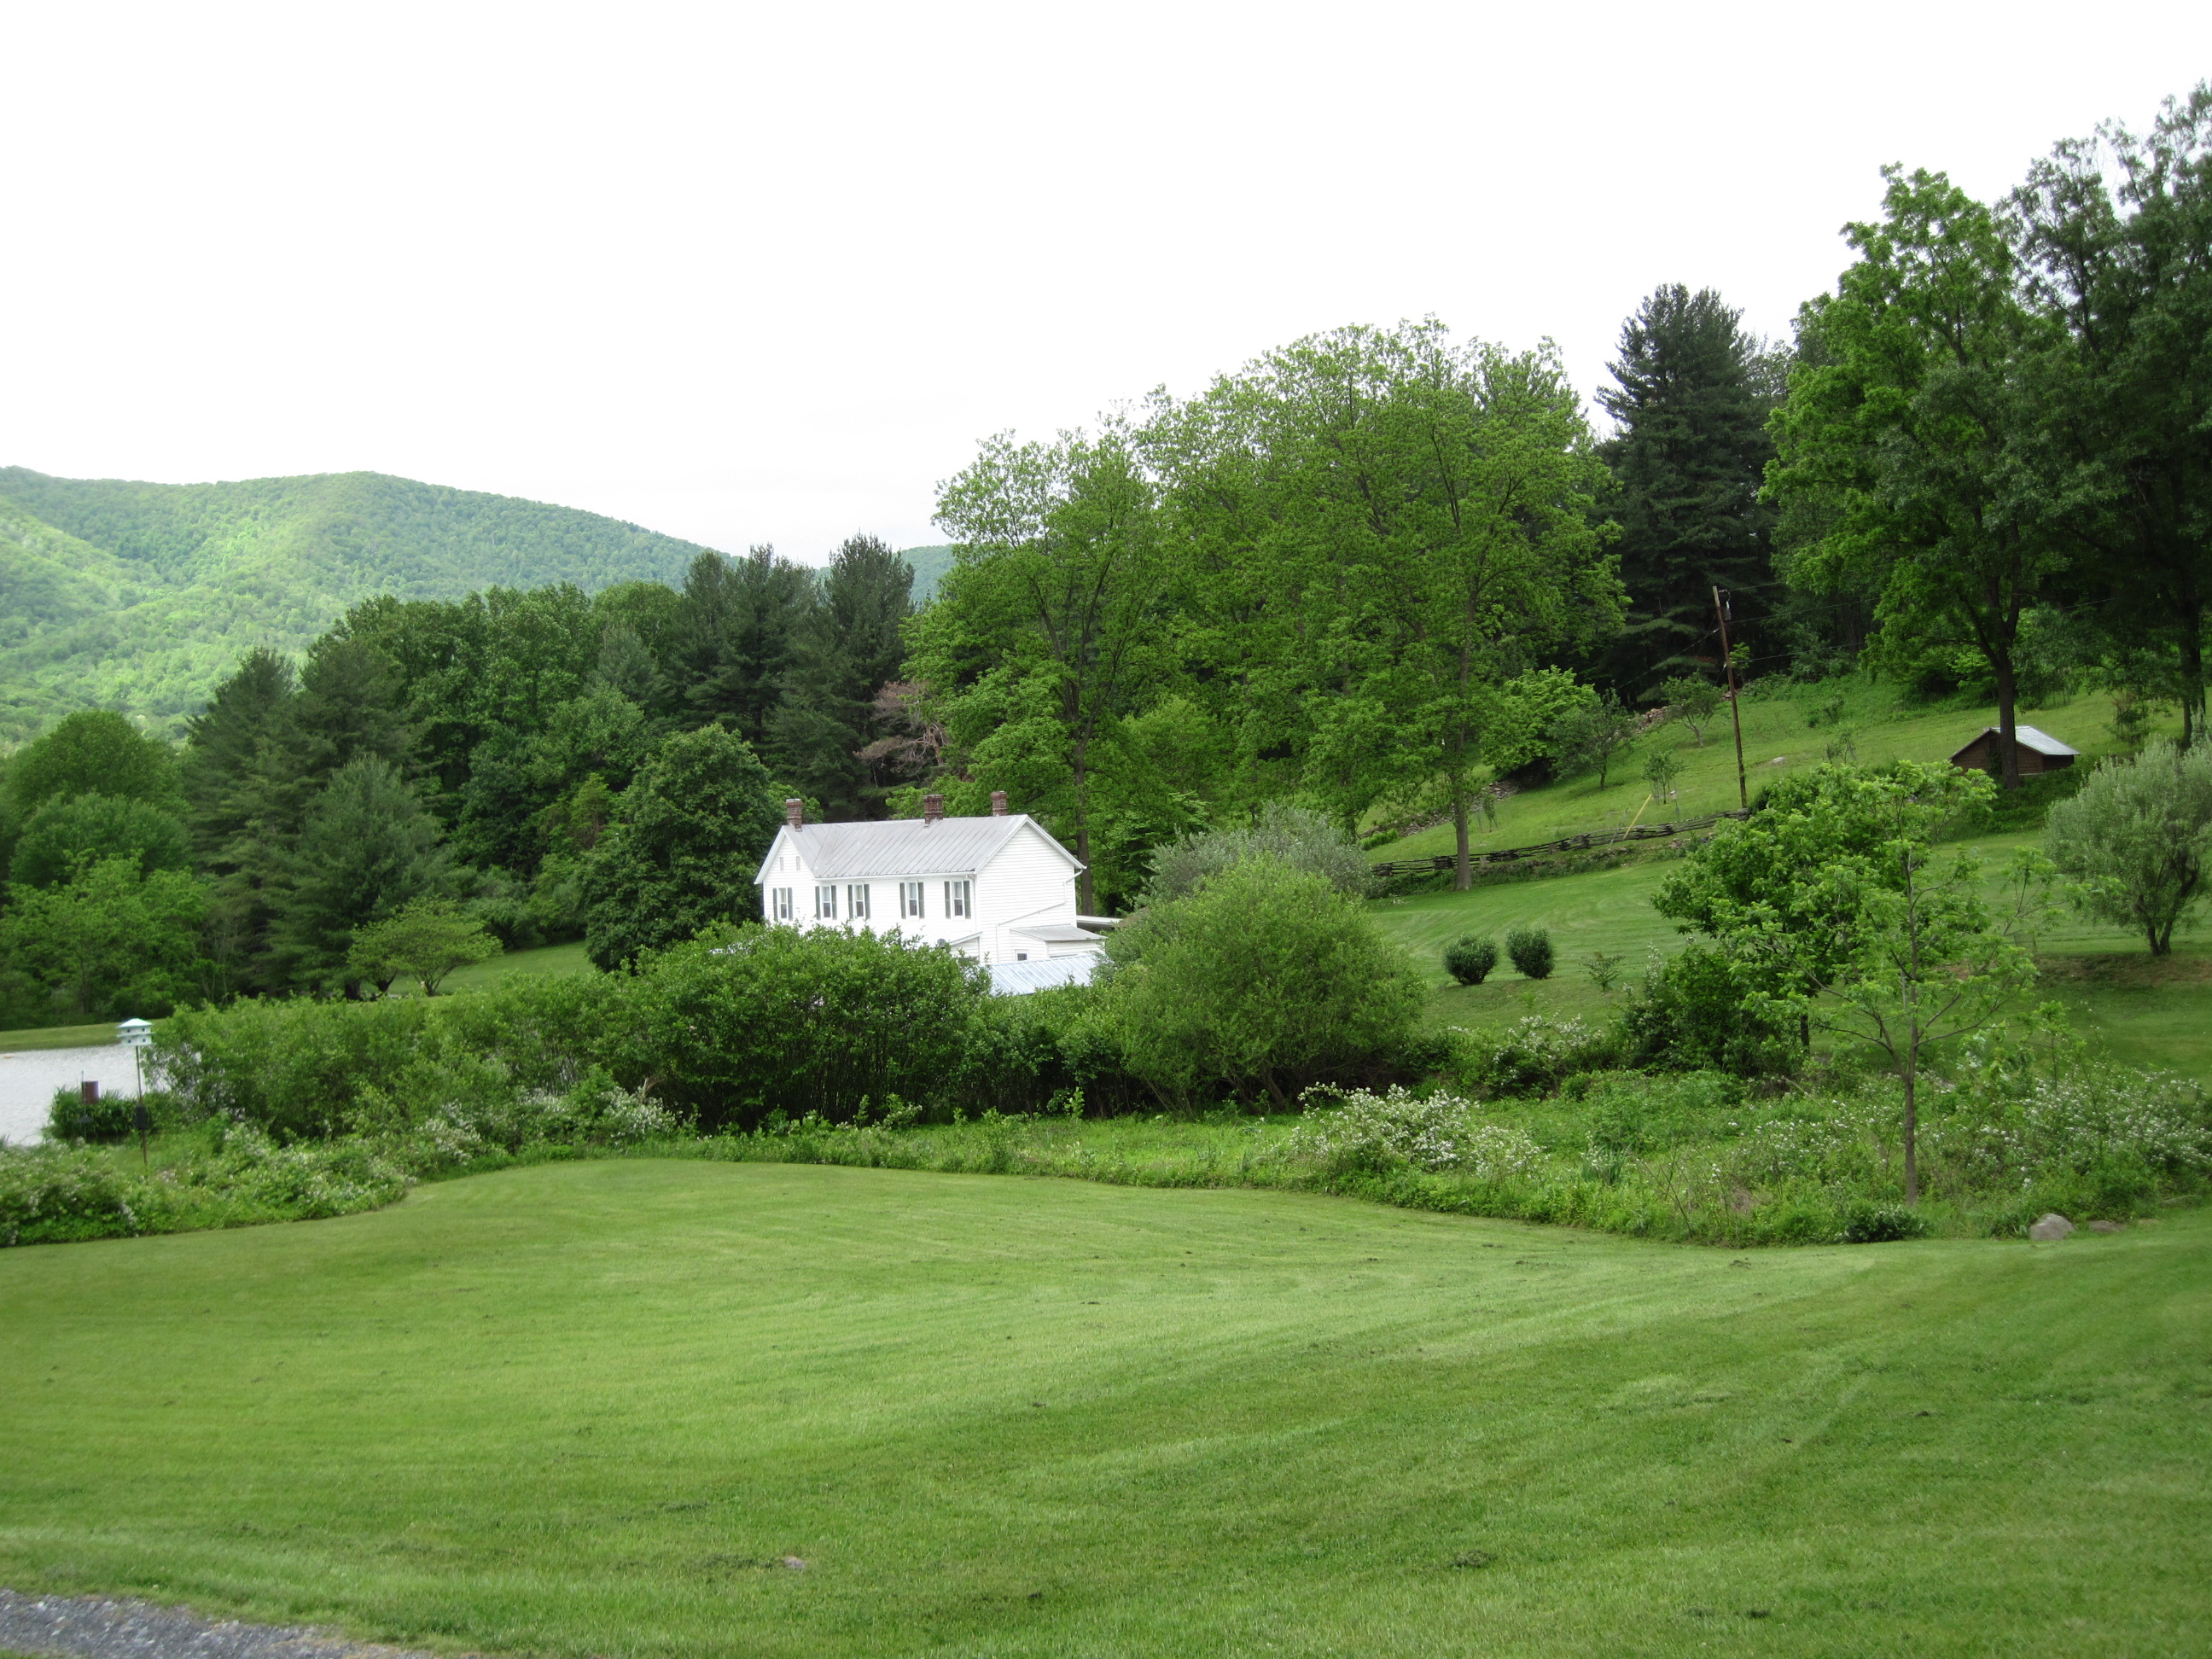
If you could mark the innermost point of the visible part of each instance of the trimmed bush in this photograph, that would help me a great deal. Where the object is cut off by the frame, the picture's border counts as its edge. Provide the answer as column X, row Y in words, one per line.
column 1266, row 977
column 1469, row 960
column 1531, row 951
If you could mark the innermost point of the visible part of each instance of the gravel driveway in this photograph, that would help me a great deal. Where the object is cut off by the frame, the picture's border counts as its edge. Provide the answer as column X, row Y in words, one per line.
column 94, row 1627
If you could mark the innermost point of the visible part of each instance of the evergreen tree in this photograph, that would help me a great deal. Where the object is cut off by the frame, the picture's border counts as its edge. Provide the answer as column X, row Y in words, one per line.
column 733, row 638
column 1692, row 397
column 847, row 650
column 237, row 766
column 366, row 850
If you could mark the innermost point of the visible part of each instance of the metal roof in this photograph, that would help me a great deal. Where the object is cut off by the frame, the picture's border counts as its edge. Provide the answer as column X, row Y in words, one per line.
column 904, row 846
column 1018, row 979
column 1058, row 933
column 2028, row 738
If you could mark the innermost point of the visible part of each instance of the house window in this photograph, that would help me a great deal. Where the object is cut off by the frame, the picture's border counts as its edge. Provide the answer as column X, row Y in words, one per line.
column 910, row 899
column 959, row 899
column 825, row 904
column 780, row 905
column 856, row 903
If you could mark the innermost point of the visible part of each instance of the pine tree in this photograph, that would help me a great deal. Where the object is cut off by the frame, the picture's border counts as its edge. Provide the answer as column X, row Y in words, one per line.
column 732, row 641
column 365, row 851
column 848, row 651
column 1692, row 395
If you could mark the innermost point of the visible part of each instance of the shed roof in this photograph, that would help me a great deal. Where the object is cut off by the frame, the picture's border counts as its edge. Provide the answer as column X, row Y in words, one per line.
column 2028, row 738
column 1018, row 979
column 905, row 846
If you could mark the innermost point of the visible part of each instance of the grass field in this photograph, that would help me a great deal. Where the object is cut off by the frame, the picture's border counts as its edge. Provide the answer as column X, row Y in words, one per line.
column 57, row 1037
column 1776, row 739
column 2143, row 1012
column 593, row 1408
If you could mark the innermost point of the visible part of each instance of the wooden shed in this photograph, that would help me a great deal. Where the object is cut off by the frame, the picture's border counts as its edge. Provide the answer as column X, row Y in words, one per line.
column 2039, row 752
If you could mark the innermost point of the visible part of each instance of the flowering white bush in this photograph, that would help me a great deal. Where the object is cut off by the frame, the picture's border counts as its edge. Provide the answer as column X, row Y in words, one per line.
column 1431, row 1131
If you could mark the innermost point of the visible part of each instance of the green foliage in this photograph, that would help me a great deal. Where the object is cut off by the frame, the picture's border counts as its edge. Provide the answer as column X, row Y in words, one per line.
column 1693, row 700
column 1529, row 708
column 1691, row 399
column 425, row 941
column 1660, row 767
column 52, row 1194
column 682, row 851
column 1530, row 950
column 1383, row 525
column 95, row 752
column 71, row 833
column 1294, row 835
column 1695, row 1012
column 1263, row 977
column 365, row 852
column 848, row 649
column 1915, row 419
column 2114, row 233
column 2137, row 840
column 141, row 596
column 112, row 943
column 1050, row 630
column 1469, row 960
column 1592, row 735
column 735, row 1027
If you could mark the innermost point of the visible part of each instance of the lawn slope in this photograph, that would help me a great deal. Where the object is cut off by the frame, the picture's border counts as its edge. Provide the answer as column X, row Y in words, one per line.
column 593, row 1408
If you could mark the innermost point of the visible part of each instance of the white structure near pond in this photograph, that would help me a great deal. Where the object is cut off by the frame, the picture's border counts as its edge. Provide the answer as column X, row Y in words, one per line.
column 999, row 889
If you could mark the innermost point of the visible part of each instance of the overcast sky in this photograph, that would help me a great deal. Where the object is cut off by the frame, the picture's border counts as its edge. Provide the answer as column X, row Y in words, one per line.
column 746, row 273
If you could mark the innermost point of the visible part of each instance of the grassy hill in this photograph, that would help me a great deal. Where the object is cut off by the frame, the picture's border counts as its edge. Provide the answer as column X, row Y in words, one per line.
column 685, row 1408
column 2141, row 1012
column 141, row 596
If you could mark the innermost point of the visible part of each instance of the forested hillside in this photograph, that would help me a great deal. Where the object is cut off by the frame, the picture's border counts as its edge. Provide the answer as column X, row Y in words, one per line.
column 141, row 596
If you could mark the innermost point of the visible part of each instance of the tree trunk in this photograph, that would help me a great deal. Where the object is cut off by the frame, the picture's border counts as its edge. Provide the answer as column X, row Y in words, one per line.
column 2008, row 721
column 1087, row 899
column 1911, row 1126
column 1463, row 867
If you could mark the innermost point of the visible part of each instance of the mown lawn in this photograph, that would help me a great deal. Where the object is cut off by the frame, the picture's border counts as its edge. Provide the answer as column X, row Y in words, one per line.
column 592, row 1408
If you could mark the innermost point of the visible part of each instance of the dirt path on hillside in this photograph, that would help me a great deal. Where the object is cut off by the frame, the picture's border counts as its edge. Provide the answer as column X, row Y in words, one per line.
column 98, row 1627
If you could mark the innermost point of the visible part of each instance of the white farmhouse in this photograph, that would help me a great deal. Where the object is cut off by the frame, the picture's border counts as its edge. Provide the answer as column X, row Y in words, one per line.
column 999, row 889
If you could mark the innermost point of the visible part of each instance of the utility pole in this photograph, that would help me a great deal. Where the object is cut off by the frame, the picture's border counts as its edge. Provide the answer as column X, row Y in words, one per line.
column 1735, row 713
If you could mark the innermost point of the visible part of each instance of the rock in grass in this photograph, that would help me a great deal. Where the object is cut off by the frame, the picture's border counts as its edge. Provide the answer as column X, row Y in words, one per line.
column 2049, row 1229
column 2104, row 1226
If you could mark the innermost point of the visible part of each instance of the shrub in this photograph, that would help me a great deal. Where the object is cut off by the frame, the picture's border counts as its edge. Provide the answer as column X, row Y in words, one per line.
column 1469, row 960
column 1691, row 1013
column 1370, row 1131
column 2138, row 838
column 1294, row 835
column 1868, row 1223
column 729, row 1029
column 1531, row 1057
column 1265, row 976
column 1531, row 951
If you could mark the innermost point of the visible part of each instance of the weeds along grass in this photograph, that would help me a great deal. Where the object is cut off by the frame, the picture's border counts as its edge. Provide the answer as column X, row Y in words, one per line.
column 597, row 1408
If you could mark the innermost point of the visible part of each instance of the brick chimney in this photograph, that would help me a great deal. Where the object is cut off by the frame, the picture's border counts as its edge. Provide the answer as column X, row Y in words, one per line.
column 933, row 808
column 998, row 803
column 794, row 813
